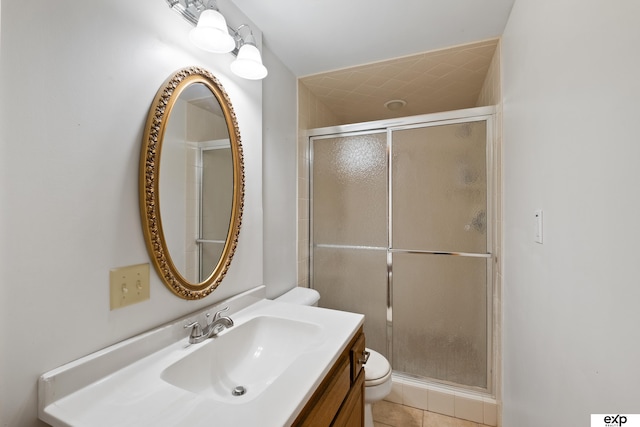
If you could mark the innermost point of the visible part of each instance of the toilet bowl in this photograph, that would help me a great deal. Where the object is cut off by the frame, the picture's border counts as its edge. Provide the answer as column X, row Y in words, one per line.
column 377, row 370
column 377, row 383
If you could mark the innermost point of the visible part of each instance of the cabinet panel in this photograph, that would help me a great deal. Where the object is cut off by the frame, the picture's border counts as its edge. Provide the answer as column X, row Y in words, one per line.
column 339, row 400
column 352, row 412
column 323, row 413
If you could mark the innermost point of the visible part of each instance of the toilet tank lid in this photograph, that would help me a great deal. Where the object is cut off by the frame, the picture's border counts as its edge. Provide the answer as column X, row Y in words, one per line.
column 301, row 296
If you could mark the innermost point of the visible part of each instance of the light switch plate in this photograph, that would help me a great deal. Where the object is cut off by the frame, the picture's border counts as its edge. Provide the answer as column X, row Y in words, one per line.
column 538, row 230
column 128, row 285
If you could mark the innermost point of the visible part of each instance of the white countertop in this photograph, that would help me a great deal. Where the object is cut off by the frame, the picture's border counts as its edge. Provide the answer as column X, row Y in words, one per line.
column 105, row 389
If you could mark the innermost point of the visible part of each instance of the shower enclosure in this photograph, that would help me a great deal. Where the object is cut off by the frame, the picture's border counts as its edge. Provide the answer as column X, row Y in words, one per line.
column 216, row 184
column 208, row 194
column 401, row 231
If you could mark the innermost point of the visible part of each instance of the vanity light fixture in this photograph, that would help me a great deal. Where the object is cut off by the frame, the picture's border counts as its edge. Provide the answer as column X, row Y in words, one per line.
column 211, row 33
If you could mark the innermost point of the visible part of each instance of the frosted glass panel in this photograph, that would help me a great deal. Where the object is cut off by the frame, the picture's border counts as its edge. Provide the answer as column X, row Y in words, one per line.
column 216, row 201
column 355, row 280
column 439, row 188
column 350, row 190
column 350, row 213
column 440, row 317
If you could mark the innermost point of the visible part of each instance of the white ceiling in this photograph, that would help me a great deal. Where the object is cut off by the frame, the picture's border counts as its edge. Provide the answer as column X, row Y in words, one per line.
column 315, row 36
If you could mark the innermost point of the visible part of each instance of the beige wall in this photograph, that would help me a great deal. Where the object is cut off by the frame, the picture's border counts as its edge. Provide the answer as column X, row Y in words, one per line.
column 311, row 114
column 491, row 93
column 203, row 125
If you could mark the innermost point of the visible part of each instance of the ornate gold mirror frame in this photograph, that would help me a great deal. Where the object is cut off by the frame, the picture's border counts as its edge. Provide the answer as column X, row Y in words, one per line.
column 149, row 183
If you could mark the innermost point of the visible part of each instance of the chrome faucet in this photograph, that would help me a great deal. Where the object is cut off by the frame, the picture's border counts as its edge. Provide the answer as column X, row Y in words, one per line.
column 213, row 328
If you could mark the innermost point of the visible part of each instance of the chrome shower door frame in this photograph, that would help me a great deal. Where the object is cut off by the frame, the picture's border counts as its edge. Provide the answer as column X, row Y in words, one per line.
column 389, row 126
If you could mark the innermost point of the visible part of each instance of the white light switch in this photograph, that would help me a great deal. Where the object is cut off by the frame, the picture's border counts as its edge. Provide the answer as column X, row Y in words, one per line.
column 538, row 230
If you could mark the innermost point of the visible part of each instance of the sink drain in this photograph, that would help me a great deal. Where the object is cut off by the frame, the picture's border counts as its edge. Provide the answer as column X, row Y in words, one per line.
column 238, row 391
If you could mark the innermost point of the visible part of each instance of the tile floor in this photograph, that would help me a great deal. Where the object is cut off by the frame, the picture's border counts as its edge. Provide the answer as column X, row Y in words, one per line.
column 387, row 414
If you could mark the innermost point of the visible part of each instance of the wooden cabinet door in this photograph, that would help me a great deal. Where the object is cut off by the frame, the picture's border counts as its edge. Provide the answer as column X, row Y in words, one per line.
column 351, row 413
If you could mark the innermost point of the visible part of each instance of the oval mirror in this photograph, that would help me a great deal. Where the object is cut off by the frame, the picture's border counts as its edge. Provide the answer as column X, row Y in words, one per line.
column 191, row 182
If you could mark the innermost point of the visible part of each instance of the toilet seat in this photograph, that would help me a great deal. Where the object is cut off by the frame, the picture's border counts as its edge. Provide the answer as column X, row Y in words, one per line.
column 377, row 369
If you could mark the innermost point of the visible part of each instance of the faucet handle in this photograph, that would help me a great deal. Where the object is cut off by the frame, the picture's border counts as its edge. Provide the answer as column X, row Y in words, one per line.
column 196, row 330
column 219, row 313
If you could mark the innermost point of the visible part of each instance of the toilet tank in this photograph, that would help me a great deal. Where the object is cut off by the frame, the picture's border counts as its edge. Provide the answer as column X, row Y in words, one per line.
column 300, row 296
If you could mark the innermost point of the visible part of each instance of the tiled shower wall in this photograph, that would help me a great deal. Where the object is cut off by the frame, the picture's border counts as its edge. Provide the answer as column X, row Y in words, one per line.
column 311, row 114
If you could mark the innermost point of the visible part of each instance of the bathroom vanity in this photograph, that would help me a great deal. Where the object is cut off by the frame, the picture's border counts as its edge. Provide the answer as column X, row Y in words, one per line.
column 339, row 400
column 297, row 365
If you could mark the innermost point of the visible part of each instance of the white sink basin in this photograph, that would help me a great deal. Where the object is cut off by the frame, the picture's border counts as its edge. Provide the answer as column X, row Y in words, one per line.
column 279, row 352
column 252, row 356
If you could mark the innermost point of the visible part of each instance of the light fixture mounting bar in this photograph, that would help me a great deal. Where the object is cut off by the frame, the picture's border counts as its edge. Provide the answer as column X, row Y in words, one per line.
column 190, row 10
column 185, row 8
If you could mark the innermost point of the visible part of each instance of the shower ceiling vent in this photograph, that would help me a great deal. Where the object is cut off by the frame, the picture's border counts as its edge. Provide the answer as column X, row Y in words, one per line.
column 395, row 104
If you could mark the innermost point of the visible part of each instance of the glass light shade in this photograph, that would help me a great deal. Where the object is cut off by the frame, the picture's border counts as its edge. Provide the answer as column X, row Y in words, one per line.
column 248, row 64
column 211, row 33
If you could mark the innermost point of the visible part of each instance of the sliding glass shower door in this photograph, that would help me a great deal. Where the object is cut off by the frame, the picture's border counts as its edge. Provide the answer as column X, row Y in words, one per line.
column 349, row 227
column 439, row 249
column 400, row 232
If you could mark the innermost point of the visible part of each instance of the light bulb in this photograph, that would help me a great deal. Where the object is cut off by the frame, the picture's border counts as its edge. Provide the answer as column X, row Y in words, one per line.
column 211, row 33
column 248, row 64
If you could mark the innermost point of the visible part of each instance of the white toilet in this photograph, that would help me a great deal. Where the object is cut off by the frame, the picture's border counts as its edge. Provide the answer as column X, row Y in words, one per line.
column 377, row 373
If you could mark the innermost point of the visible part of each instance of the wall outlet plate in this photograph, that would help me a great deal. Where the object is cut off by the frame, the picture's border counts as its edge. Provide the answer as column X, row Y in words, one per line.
column 128, row 285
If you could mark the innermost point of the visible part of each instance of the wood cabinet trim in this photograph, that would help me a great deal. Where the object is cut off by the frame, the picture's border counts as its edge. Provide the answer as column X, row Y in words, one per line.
column 357, row 357
column 329, row 398
column 352, row 411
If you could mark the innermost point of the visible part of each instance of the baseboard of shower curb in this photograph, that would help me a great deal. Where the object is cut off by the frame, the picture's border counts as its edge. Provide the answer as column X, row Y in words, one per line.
column 444, row 400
